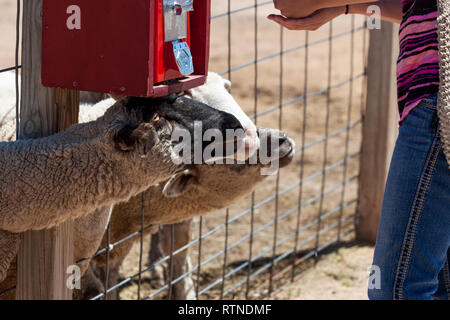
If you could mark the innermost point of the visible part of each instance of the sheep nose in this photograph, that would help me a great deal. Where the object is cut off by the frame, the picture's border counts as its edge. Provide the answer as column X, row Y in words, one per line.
column 251, row 140
column 282, row 139
column 251, row 133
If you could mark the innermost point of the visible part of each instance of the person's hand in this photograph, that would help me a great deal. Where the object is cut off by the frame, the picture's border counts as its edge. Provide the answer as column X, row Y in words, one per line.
column 296, row 8
column 311, row 22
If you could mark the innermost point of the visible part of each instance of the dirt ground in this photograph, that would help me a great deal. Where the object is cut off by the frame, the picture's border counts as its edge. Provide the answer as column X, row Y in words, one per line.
column 336, row 275
column 340, row 275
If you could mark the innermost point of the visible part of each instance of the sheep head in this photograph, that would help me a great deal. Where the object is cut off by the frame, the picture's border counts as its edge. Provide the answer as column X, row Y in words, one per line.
column 144, row 128
column 216, row 92
column 224, row 184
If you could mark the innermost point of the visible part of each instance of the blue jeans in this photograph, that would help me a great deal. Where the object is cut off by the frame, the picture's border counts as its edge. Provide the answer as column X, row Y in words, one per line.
column 412, row 248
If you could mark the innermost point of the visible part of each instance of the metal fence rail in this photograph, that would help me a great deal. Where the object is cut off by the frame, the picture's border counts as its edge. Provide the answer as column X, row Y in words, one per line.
column 262, row 271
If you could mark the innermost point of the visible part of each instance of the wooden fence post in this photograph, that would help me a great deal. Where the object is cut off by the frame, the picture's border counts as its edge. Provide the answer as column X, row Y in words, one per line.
column 379, row 130
column 44, row 255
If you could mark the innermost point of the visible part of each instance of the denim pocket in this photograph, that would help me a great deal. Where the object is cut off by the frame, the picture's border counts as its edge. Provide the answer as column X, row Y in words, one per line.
column 432, row 109
column 430, row 102
column 421, row 123
column 428, row 105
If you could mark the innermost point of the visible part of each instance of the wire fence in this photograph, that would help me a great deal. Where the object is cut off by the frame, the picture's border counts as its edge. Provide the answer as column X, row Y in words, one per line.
column 309, row 84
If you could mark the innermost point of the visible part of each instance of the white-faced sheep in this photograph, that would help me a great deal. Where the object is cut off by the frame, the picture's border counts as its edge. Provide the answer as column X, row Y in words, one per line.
column 46, row 181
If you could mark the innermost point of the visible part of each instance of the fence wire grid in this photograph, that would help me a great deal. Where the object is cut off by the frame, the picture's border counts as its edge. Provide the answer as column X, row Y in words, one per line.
column 311, row 85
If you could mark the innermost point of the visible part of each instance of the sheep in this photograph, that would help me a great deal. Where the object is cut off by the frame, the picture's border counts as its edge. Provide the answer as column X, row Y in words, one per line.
column 194, row 192
column 96, row 163
column 47, row 181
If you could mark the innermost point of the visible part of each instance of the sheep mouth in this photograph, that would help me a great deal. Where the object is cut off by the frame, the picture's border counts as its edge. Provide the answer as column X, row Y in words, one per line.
column 231, row 148
column 276, row 146
column 190, row 148
column 170, row 126
column 287, row 152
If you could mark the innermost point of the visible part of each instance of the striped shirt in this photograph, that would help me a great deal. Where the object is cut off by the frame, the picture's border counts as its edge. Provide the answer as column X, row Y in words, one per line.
column 418, row 61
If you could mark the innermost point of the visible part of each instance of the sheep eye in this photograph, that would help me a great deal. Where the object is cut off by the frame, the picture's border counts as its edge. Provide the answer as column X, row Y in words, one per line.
column 156, row 117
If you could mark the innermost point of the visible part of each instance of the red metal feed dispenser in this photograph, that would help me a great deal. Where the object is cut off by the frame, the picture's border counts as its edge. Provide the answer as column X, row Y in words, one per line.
column 146, row 48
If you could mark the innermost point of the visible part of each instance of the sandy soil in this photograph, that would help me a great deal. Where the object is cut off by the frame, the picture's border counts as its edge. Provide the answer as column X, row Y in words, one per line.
column 341, row 275
column 347, row 60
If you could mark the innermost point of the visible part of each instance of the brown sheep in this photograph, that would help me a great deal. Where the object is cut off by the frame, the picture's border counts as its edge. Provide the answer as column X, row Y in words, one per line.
column 199, row 190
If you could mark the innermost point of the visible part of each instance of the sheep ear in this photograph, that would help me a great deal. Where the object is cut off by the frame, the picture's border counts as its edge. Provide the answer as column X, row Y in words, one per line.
column 188, row 94
column 178, row 184
column 227, row 84
column 131, row 138
column 118, row 97
column 124, row 139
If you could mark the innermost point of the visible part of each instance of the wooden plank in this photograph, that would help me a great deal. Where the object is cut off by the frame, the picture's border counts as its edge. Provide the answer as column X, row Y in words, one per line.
column 67, row 105
column 379, row 130
column 44, row 255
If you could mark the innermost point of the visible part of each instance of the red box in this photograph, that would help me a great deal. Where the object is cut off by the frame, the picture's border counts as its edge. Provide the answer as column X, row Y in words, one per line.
column 119, row 47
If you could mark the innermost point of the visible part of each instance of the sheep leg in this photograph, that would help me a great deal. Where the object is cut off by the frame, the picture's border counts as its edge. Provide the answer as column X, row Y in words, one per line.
column 189, row 289
column 91, row 286
column 116, row 258
column 184, row 289
column 89, row 231
column 158, row 274
column 182, row 263
column 9, row 282
column 113, row 276
column 9, row 246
